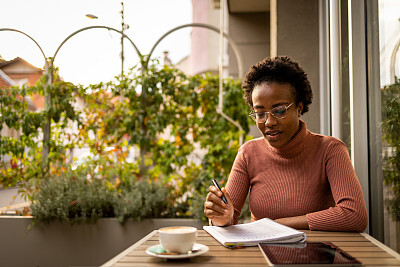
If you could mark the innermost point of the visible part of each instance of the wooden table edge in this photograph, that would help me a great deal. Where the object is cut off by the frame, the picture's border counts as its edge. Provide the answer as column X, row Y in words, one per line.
column 381, row 245
column 128, row 250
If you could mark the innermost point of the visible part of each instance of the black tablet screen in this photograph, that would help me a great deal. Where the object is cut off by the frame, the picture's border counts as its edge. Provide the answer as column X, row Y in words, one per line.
column 307, row 253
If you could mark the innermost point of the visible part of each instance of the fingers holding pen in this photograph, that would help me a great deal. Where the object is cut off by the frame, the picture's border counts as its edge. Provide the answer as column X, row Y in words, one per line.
column 216, row 209
column 217, row 196
column 214, row 206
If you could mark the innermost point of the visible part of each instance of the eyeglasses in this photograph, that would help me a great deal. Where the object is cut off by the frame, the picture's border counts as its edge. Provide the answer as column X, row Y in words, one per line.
column 277, row 112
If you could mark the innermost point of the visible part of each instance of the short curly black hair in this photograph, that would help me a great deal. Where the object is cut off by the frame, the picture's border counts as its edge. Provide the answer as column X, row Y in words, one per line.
column 280, row 70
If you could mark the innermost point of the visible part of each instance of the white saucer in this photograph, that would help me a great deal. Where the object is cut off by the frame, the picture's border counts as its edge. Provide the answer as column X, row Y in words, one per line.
column 200, row 250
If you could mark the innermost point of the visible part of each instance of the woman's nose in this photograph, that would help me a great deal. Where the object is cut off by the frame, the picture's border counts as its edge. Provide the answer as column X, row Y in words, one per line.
column 270, row 120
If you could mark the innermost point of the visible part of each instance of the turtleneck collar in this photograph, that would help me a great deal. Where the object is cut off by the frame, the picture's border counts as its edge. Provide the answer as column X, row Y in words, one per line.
column 295, row 144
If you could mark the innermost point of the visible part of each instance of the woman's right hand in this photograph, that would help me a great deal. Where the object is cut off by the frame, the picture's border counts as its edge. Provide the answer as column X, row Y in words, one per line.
column 215, row 208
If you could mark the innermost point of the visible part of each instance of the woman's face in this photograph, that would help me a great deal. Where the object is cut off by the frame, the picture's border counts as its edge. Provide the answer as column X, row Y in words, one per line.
column 267, row 96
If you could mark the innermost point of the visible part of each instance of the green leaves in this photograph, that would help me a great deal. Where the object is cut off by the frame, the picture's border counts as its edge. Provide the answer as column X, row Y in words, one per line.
column 391, row 136
column 161, row 114
column 27, row 124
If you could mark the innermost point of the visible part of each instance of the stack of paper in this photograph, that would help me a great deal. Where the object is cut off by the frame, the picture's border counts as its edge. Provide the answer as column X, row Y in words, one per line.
column 251, row 234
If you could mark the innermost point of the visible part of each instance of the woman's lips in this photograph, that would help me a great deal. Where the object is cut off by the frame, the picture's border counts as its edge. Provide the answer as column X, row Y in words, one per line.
column 272, row 135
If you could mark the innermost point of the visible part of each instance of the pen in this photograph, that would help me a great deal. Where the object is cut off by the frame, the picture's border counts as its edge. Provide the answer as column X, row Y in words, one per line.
column 219, row 188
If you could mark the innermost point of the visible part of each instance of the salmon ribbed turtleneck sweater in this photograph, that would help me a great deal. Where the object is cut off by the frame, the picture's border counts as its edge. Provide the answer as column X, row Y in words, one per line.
column 312, row 175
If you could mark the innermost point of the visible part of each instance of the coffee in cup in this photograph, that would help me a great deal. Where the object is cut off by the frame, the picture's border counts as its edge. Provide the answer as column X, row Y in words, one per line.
column 177, row 239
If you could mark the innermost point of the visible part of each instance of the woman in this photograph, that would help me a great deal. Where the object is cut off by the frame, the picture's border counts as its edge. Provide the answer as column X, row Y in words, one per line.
column 295, row 177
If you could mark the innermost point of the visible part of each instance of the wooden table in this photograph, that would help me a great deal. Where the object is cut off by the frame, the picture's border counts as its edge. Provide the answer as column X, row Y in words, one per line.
column 360, row 245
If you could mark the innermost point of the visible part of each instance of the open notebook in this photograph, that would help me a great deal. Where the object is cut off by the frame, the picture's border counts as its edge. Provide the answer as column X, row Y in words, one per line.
column 251, row 234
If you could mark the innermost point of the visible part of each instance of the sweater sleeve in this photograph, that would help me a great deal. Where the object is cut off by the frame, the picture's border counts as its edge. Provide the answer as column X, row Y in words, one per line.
column 349, row 213
column 238, row 184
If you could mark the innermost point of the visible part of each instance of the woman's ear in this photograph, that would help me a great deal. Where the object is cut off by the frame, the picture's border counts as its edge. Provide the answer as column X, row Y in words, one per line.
column 299, row 108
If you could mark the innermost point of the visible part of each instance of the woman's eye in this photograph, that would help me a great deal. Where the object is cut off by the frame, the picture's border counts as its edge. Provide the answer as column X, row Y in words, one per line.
column 260, row 115
column 279, row 111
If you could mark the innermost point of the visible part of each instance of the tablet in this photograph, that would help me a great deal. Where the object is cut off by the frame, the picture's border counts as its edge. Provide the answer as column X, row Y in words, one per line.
column 307, row 253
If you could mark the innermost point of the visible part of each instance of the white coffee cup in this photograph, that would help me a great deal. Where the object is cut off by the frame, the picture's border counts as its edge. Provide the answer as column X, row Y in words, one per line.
column 177, row 239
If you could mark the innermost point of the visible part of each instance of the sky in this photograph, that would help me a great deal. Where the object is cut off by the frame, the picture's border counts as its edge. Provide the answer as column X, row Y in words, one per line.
column 93, row 56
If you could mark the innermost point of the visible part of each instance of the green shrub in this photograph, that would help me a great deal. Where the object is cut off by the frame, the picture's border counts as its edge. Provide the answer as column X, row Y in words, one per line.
column 76, row 198
column 391, row 136
column 145, row 199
